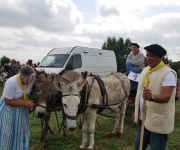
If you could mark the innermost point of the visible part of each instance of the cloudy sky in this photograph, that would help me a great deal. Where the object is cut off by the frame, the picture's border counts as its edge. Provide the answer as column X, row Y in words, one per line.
column 29, row 29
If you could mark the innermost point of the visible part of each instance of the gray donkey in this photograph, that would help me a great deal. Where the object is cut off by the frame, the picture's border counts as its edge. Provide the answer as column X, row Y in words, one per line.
column 117, row 87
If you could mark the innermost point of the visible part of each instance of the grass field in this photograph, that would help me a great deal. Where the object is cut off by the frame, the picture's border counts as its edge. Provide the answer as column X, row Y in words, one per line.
column 73, row 141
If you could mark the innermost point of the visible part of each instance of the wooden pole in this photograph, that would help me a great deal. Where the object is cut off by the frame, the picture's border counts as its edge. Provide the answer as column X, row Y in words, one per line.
column 142, row 124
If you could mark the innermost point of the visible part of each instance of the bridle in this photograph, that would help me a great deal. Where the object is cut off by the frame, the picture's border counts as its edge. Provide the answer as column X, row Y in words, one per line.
column 60, row 96
column 50, row 98
column 66, row 115
column 83, row 110
column 58, row 107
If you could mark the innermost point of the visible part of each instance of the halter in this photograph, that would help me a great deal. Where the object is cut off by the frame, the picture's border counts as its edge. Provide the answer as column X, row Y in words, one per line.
column 66, row 115
column 51, row 96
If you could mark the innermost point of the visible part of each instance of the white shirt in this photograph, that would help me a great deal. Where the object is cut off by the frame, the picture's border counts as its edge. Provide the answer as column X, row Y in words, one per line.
column 12, row 89
column 169, row 80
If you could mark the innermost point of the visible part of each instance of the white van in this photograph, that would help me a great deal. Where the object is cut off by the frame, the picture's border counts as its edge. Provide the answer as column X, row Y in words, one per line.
column 80, row 59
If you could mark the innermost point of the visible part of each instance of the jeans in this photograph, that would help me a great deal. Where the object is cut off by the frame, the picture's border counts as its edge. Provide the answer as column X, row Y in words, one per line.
column 157, row 141
column 130, row 67
column 179, row 82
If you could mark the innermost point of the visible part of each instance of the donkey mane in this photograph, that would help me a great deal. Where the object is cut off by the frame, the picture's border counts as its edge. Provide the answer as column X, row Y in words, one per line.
column 42, row 71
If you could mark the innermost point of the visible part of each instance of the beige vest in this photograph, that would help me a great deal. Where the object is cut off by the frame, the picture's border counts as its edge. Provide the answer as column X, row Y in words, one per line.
column 159, row 117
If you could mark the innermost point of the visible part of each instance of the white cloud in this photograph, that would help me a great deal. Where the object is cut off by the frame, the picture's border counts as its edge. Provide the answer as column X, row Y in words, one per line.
column 30, row 29
column 108, row 11
column 54, row 16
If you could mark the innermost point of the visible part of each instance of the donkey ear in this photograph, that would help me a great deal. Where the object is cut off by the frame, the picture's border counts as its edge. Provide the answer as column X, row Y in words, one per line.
column 51, row 77
column 62, row 72
column 37, row 72
column 82, row 80
column 59, row 84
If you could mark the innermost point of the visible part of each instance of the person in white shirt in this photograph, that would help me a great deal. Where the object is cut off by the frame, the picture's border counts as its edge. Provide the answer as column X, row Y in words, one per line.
column 14, row 110
column 157, row 86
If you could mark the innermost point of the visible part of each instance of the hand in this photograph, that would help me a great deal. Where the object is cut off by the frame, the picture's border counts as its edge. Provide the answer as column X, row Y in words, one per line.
column 147, row 95
column 30, row 104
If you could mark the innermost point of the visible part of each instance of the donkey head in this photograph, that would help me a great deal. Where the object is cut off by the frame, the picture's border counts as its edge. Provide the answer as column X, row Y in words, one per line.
column 43, row 93
column 71, row 98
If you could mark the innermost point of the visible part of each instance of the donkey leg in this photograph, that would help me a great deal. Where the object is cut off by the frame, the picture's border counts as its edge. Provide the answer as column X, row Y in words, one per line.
column 42, row 133
column 117, row 118
column 84, row 131
column 122, row 116
column 45, row 130
column 92, row 120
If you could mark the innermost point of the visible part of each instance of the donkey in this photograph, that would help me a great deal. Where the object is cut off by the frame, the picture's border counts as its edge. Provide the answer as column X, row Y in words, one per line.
column 117, row 87
column 47, row 98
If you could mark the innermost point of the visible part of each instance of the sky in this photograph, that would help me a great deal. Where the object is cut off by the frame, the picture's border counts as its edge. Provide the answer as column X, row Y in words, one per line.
column 29, row 29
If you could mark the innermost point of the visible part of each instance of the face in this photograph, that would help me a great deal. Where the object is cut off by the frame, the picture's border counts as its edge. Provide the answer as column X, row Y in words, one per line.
column 135, row 49
column 71, row 98
column 153, row 60
column 27, row 81
column 43, row 93
column 70, row 107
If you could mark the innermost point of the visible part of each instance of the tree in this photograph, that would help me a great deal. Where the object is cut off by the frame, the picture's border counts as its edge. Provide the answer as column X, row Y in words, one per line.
column 175, row 65
column 4, row 60
column 121, row 49
column 166, row 60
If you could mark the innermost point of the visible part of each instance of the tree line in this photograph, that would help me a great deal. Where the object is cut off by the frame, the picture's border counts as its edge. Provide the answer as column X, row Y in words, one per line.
column 121, row 48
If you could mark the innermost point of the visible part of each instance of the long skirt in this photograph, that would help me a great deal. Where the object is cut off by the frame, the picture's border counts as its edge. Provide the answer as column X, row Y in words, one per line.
column 14, row 127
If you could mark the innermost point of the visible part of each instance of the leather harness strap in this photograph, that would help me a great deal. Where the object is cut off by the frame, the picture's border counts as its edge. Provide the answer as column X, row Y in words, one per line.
column 102, row 89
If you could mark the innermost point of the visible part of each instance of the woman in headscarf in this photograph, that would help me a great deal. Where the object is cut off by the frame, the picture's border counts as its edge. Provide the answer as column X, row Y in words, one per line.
column 14, row 110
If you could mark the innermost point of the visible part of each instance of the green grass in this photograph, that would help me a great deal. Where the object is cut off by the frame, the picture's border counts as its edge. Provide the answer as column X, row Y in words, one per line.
column 126, row 142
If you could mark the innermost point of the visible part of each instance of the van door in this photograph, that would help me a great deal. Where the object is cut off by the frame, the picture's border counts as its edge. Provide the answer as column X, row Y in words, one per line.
column 75, row 63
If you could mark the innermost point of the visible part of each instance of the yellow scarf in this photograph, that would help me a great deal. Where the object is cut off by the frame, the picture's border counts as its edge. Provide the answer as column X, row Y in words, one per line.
column 146, row 82
column 22, row 87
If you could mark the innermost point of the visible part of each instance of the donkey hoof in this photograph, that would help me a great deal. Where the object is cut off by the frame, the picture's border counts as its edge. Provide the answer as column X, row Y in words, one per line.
column 82, row 147
column 91, row 148
column 119, row 134
column 41, row 139
column 45, row 146
column 111, row 135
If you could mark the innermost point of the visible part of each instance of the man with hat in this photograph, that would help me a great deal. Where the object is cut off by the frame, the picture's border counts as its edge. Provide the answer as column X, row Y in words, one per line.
column 135, row 60
column 155, row 100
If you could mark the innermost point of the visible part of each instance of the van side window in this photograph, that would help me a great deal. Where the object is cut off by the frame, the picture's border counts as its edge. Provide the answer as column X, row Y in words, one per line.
column 75, row 61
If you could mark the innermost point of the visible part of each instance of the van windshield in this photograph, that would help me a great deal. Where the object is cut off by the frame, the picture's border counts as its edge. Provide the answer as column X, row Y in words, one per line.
column 56, row 61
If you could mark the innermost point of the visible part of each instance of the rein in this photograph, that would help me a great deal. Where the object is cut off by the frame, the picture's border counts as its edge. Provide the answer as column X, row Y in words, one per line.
column 63, row 126
column 50, row 109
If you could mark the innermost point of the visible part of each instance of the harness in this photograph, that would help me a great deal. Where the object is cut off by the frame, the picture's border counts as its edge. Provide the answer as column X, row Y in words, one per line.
column 85, row 97
column 104, row 93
